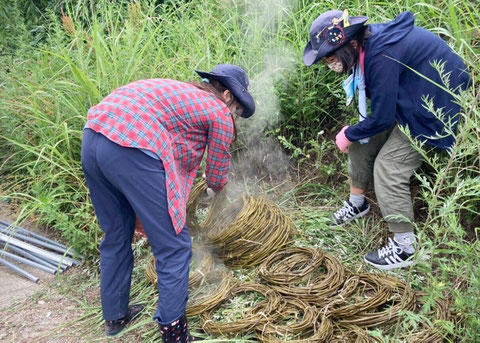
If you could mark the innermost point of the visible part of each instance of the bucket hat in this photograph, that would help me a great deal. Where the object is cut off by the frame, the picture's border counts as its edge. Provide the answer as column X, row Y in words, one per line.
column 329, row 32
column 236, row 81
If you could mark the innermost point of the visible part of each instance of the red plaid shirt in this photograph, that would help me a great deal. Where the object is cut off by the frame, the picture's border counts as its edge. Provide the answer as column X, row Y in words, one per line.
column 176, row 121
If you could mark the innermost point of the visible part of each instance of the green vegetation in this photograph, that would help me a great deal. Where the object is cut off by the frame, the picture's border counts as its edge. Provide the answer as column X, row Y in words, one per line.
column 58, row 58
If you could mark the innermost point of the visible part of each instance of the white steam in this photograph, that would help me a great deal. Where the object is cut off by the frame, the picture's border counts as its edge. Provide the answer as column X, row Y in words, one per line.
column 262, row 157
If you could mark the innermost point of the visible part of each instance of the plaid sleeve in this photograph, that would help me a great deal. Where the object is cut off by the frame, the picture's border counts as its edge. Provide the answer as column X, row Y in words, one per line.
column 220, row 136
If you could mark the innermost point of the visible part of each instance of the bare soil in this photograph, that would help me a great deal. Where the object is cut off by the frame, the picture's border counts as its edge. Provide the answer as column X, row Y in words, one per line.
column 30, row 310
column 53, row 309
column 35, row 311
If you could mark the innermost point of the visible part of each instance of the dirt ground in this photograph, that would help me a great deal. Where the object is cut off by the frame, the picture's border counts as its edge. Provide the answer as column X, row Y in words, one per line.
column 35, row 312
column 51, row 310
column 30, row 310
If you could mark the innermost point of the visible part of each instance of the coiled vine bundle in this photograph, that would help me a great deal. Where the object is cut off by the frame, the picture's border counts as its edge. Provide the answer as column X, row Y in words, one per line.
column 302, row 294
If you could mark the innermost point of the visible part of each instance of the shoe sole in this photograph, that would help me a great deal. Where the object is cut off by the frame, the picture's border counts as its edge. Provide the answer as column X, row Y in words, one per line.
column 390, row 266
column 361, row 214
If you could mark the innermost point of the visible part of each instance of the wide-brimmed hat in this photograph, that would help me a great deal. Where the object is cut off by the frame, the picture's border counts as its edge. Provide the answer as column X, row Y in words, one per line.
column 330, row 31
column 236, row 81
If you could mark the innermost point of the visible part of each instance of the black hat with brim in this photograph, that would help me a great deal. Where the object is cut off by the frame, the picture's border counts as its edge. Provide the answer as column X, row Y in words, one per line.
column 324, row 28
column 236, row 81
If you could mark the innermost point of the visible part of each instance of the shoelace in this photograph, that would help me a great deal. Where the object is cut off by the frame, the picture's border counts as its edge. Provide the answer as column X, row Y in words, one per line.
column 390, row 249
column 345, row 210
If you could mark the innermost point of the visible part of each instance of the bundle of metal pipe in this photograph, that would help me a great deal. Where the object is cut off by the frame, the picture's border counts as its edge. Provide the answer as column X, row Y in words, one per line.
column 18, row 244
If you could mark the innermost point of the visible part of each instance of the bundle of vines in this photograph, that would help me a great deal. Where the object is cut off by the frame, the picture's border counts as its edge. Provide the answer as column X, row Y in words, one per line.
column 242, row 231
column 301, row 295
column 201, row 264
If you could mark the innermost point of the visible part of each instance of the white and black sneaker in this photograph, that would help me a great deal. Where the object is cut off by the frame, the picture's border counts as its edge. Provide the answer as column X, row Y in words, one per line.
column 389, row 257
column 349, row 212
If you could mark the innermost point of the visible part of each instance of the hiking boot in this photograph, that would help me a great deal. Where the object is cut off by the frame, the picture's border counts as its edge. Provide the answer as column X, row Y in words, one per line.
column 349, row 212
column 389, row 257
column 113, row 327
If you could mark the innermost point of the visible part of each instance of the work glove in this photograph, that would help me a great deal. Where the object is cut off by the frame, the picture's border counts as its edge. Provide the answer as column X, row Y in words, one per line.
column 342, row 140
column 208, row 195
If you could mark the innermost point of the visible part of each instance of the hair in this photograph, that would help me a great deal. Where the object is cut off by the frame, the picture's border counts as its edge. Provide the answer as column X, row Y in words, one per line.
column 347, row 54
column 216, row 88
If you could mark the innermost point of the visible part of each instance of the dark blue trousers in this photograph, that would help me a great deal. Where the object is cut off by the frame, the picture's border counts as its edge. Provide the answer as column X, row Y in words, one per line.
column 124, row 182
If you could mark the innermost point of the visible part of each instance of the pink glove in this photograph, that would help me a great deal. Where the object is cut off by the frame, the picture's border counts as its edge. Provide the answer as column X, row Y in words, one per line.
column 342, row 140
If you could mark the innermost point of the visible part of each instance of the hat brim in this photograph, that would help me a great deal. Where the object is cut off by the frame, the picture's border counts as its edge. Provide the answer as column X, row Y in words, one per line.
column 311, row 56
column 238, row 91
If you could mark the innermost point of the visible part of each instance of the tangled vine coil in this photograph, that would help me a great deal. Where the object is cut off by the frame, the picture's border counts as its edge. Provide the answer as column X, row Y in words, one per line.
column 382, row 309
column 308, row 296
column 316, row 288
column 304, row 329
column 255, row 317
column 243, row 231
column 202, row 263
column 435, row 333
column 290, row 265
column 217, row 206
column 203, row 297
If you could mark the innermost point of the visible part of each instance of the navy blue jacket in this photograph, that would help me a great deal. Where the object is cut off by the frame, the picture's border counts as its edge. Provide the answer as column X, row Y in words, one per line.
column 397, row 93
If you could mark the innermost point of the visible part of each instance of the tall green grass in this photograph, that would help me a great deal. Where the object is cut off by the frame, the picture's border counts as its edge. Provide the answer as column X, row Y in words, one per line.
column 47, row 88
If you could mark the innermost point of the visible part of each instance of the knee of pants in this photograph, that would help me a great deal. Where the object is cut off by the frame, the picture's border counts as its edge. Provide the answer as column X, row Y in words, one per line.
column 392, row 189
column 361, row 177
column 380, row 173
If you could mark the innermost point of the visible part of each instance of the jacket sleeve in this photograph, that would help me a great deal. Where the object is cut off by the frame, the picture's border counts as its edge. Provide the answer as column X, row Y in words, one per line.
column 382, row 76
column 220, row 136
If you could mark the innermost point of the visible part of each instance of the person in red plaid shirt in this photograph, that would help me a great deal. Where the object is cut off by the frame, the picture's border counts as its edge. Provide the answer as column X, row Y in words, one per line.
column 141, row 150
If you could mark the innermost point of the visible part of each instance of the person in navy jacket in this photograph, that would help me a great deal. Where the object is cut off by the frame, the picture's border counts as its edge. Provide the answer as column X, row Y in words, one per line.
column 393, row 64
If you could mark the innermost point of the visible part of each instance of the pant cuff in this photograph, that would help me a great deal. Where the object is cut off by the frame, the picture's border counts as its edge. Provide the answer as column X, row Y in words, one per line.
column 360, row 184
column 400, row 227
column 157, row 320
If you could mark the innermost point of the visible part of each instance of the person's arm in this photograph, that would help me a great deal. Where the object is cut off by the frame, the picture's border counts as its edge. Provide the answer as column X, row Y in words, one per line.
column 383, row 84
column 220, row 136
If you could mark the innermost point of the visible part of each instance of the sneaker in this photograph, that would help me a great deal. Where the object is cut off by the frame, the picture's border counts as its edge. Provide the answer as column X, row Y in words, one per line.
column 389, row 257
column 349, row 212
column 113, row 327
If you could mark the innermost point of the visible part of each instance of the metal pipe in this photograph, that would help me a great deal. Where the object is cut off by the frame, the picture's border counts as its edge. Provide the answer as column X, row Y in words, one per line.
column 19, row 270
column 32, row 257
column 33, row 234
column 38, row 236
column 38, row 251
column 51, row 262
column 27, row 262
column 45, row 245
column 35, row 241
column 64, row 263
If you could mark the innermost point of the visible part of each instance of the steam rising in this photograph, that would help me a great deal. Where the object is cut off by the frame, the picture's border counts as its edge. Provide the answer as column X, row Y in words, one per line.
column 262, row 157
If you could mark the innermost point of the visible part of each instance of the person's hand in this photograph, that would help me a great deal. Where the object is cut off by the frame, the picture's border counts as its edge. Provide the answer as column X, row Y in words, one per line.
column 342, row 141
column 207, row 197
column 210, row 193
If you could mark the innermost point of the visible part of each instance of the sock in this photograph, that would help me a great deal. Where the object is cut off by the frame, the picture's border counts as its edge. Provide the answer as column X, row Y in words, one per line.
column 357, row 200
column 406, row 240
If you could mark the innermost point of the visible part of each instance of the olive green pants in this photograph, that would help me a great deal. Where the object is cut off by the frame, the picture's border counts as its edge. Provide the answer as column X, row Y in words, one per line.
column 389, row 160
